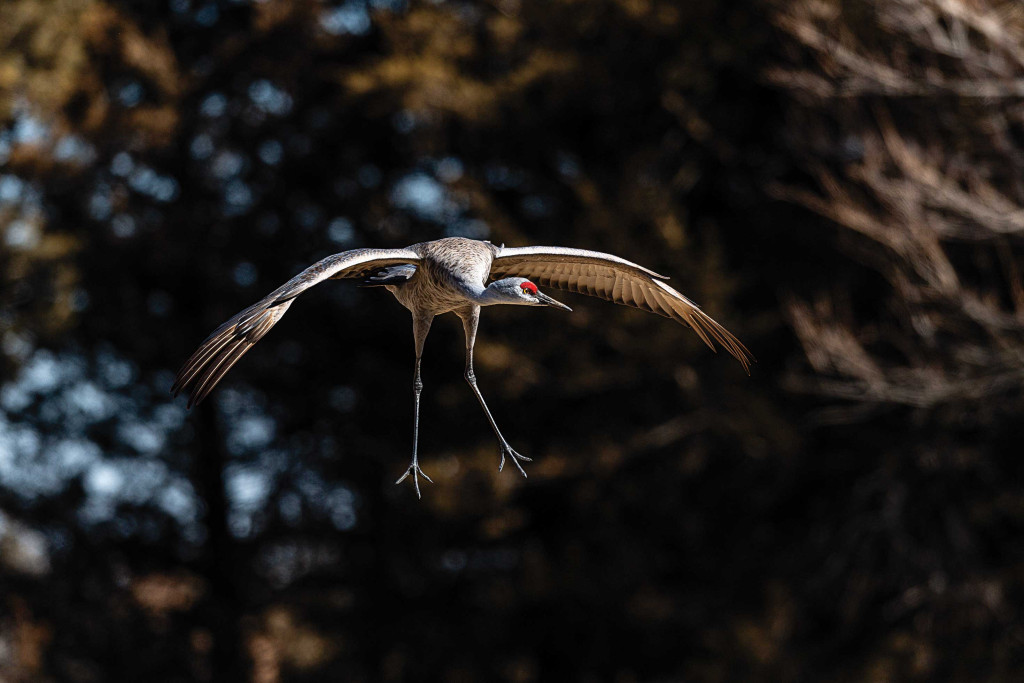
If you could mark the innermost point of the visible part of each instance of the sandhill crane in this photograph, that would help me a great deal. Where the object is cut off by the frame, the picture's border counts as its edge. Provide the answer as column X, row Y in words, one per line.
column 450, row 276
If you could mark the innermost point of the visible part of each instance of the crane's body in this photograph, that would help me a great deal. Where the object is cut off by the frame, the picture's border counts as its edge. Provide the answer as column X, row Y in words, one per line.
column 451, row 276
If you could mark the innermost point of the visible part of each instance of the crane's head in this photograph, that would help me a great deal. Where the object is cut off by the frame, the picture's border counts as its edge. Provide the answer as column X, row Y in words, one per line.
column 519, row 290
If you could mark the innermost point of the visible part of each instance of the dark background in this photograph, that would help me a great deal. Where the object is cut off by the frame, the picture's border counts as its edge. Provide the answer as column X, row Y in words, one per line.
column 840, row 184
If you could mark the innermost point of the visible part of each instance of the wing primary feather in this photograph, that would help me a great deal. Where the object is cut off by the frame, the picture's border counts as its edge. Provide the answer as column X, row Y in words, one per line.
column 199, row 359
column 216, row 370
column 219, row 352
column 618, row 280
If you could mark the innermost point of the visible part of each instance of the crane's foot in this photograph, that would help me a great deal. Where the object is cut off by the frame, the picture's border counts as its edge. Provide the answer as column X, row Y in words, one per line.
column 416, row 473
column 515, row 457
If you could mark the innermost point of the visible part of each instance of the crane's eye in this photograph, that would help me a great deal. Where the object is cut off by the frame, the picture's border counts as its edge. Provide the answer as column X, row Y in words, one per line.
column 529, row 288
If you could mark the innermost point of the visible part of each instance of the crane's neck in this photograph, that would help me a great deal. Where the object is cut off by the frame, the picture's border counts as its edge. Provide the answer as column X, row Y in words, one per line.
column 492, row 294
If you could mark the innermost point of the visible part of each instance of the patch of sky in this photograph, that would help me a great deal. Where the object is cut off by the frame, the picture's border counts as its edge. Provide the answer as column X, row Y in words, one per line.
column 14, row 398
column 340, row 505
column 214, row 105
column 233, row 403
column 100, row 205
column 207, row 15
column 28, row 129
column 290, row 507
column 16, row 345
column 48, row 447
column 88, row 400
column 351, row 17
column 201, row 147
column 130, row 94
column 50, row 413
column 60, row 401
column 271, row 152
column 311, row 485
column 241, row 524
column 5, row 147
column 146, row 181
column 6, row 448
column 114, row 371
column 121, row 165
column 285, row 563
column 269, row 98
column 79, row 300
column 247, row 488
column 238, row 198
column 161, row 187
column 20, row 440
column 340, row 231
column 165, row 189
column 22, row 234
column 250, row 432
column 96, row 510
column 143, row 479
column 24, row 473
column 31, row 199
column 11, row 188
column 74, row 455
column 143, row 438
column 122, row 225
column 567, row 165
column 44, row 371
column 103, row 480
column 74, row 148
column 178, row 499
column 169, row 416
column 421, row 195
column 404, row 121
column 448, row 170
column 245, row 274
column 228, row 164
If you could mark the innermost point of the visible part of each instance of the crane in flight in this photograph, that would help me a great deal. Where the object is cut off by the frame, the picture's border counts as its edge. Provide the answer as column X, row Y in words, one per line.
column 451, row 276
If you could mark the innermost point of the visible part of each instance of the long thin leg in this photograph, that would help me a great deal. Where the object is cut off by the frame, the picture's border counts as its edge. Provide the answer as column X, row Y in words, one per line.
column 470, row 320
column 420, row 328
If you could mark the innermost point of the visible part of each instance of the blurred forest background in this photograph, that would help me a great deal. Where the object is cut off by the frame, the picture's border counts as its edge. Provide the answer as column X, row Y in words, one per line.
column 840, row 183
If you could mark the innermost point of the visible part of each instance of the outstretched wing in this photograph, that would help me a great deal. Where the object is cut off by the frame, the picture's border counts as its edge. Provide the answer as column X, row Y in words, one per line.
column 614, row 279
column 230, row 341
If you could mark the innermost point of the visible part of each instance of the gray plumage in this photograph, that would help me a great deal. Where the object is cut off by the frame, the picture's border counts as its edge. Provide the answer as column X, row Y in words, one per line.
column 451, row 275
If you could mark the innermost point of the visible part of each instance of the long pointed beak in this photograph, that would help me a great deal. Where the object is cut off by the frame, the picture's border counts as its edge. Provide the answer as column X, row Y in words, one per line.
column 548, row 301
